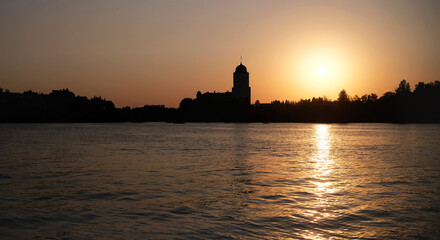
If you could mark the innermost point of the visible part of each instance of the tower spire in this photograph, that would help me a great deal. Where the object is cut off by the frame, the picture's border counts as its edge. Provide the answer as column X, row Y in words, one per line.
column 241, row 59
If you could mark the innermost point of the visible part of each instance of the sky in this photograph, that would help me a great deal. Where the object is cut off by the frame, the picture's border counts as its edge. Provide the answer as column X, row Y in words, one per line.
column 158, row 52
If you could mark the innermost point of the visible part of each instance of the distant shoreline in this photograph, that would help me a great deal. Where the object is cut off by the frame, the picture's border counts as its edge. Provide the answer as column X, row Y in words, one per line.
column 62, row 106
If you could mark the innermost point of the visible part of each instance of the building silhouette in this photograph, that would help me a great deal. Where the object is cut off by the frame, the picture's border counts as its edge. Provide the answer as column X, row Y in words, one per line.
column 241, row 91
column 240, row 95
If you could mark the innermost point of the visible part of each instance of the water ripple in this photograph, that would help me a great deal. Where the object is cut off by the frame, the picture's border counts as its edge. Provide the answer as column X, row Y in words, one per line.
column 219, row 181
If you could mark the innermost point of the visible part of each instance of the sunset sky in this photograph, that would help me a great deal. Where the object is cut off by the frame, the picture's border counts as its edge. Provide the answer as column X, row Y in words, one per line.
column 159, row 52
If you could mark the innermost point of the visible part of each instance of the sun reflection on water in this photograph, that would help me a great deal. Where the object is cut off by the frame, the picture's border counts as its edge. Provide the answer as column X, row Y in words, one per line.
column 323, row 167
column 323, row 164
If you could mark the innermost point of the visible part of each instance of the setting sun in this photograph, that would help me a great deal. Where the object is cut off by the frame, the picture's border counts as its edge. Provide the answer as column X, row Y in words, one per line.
column 322, row 70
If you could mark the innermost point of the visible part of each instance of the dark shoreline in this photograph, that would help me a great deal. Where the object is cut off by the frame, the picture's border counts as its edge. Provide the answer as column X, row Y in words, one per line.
column 62, row 106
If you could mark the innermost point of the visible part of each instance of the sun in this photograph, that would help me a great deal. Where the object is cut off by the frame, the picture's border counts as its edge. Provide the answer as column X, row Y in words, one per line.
column 322, row 70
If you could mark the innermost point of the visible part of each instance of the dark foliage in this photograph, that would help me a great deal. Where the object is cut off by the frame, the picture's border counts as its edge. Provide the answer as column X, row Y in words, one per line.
column 401, row 106
column 64, row 106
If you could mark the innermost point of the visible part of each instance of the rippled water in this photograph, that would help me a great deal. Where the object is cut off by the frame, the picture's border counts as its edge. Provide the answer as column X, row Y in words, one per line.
column 211, row 181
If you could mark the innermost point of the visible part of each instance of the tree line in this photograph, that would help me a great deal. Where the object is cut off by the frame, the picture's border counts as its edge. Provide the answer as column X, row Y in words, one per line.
column 64, row 106
column 422, row 105
column 400, row 106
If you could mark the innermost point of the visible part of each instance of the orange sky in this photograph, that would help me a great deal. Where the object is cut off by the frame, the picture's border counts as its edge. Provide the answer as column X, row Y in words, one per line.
column 158, row 52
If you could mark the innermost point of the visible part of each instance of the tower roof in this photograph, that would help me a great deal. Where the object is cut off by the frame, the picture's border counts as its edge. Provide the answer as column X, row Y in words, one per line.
column 241, row 69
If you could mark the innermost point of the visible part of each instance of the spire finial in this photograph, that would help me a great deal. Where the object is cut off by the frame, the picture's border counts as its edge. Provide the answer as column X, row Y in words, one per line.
column 241, row 59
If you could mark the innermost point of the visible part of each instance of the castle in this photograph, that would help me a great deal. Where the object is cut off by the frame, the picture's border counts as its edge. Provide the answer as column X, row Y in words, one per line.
column 240, row 95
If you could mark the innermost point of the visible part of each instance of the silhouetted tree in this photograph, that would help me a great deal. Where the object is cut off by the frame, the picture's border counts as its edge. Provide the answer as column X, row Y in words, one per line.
column 356, row 98
column 343, row 96
column 372, row 97
column 404, row 88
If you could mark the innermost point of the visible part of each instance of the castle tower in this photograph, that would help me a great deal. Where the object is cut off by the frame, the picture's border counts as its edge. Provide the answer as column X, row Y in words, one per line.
column 241, row 90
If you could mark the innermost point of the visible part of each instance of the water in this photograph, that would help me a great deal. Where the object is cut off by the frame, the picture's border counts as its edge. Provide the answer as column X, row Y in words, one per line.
column 213, row 181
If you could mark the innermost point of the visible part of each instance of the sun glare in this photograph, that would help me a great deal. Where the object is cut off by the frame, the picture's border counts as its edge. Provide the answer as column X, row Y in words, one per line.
column 322, row 70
